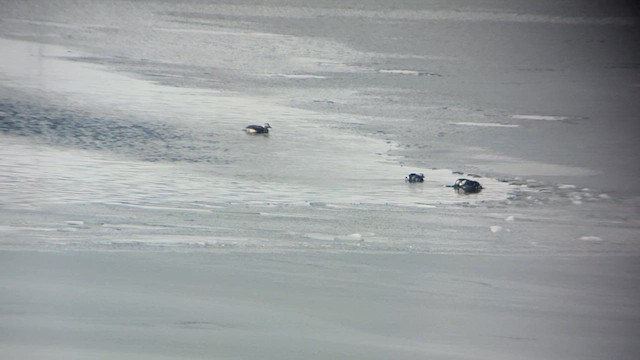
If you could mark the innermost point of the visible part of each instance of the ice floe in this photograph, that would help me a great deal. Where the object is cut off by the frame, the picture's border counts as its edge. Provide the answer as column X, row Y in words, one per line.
column 540, row 117
column 591, row 238
column 484, row 124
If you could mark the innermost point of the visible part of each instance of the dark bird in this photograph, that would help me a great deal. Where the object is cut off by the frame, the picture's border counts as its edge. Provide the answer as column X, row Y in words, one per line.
column 466, row 186
column 414, row 178
column 258, row 129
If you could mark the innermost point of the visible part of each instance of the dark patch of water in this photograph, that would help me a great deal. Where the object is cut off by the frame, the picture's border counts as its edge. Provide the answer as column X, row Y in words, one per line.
column 143, row 139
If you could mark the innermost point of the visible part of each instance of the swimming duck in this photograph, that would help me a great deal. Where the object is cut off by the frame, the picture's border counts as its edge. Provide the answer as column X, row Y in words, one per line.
column 467, row 186
column 258, row 129
column 414, row 178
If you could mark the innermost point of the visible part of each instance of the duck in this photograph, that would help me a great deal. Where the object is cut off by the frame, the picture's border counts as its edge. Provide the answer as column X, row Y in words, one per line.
column 258, row 129
column 414, row 178
column 467, row 186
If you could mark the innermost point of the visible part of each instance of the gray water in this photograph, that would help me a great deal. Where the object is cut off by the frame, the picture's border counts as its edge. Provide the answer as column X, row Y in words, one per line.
column 142, row 105
column 122, row 149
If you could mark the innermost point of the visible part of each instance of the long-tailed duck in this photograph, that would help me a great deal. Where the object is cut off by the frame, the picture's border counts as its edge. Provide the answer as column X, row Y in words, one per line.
column 467, row 186
column 414, row 178
column 258, row 129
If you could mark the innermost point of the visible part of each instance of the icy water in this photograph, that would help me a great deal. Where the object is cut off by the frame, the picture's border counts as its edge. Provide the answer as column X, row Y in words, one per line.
column 190, row 143
column 100, row 142
column 102, row 108
column 138, row 220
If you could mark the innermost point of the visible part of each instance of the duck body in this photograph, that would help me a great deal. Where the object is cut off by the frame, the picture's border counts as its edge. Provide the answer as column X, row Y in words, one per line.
column 258, row 129
column 414, row 178
column 467, row 186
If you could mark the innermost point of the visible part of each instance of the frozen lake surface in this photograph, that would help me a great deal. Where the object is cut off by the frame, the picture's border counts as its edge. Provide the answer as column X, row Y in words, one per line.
column 138, row 220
